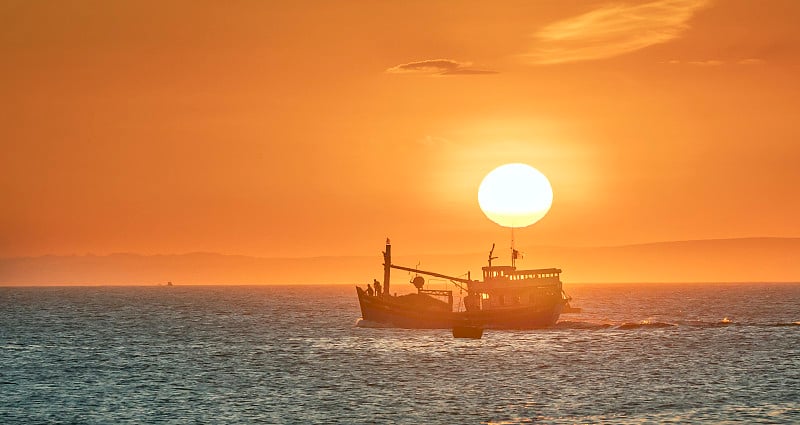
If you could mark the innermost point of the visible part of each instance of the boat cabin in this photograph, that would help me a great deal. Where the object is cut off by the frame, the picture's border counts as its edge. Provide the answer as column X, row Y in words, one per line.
column 510, row 273
column 507, row 287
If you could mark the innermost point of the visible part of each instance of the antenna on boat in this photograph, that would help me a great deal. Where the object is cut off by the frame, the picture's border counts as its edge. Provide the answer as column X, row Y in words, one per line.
column 515, row 254
column 513, row 251
column 490, row 256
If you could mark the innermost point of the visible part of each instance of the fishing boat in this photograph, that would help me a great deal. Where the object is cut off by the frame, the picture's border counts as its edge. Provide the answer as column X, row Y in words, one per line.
column 506, row 298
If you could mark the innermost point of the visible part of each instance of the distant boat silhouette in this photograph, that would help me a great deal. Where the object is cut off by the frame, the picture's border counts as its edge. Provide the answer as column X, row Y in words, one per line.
column 169, row 283
column 507, row 298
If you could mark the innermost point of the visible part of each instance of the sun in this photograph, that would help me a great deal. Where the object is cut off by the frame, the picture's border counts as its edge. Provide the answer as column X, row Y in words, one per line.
column 515, row 195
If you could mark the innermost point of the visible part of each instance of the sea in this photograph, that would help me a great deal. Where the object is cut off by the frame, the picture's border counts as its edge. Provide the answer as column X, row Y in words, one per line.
column 637, row 353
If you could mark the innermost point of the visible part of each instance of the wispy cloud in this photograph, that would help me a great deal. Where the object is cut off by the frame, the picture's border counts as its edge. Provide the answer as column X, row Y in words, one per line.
column 752, row 61
column 711, row 62
column 612, row 30
column 714, row 62
column 438, row 67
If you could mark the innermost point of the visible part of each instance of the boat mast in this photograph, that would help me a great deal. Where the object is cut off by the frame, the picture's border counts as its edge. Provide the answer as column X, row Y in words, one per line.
column 387, row 266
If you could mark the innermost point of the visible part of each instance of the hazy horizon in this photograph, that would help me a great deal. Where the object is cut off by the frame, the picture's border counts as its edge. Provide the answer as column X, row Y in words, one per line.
column 450, row 253
column 725, row 260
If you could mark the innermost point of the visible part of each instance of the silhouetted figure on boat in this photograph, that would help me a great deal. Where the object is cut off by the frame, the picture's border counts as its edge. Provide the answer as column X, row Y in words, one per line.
column 370, row 292
column 377, row 287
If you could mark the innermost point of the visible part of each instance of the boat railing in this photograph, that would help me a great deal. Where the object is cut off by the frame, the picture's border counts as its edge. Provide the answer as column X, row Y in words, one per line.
column 439, row 293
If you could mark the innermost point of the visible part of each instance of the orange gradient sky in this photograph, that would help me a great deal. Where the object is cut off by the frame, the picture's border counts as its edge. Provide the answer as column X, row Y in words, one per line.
column 319, row 128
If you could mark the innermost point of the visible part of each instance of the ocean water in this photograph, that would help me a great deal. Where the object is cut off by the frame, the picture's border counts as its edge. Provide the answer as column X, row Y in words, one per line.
column 639, row 353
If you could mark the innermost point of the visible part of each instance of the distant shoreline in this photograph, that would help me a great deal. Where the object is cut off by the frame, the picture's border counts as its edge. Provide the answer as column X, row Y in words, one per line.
column 717, row 260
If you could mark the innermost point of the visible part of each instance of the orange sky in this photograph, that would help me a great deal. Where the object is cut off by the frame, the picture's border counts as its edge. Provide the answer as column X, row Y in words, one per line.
column 318, row 128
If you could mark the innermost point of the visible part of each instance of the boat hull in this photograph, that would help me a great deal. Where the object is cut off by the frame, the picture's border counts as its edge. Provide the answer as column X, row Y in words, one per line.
column 390, row 311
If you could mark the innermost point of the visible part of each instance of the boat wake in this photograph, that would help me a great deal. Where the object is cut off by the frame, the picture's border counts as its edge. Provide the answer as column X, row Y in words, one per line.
column 654, row 324
column 571, row 324
column 787, row 324
column 646, row 324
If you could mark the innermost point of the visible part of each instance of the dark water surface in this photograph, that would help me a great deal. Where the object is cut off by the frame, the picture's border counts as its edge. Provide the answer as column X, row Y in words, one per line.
column 292, row 354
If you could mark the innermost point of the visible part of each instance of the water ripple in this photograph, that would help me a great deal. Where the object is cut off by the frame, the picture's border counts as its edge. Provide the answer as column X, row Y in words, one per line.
column 636, row 354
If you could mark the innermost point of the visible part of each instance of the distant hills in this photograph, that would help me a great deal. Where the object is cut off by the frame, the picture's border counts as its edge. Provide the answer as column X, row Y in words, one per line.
column 719, row 260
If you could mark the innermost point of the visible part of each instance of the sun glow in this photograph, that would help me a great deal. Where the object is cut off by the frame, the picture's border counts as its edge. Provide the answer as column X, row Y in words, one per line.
column 515, row 195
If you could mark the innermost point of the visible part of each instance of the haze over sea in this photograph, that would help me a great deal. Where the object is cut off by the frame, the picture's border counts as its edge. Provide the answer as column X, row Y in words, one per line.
column 639, row 353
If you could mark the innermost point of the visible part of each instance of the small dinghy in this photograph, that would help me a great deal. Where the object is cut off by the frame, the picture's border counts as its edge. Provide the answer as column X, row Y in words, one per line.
column 466, row 331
